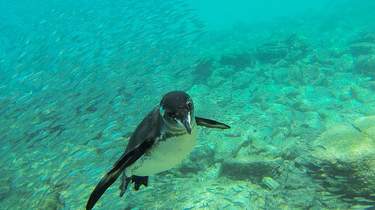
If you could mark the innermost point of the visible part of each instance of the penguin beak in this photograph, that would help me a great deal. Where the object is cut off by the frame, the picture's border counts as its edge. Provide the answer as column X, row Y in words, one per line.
column 187, row 123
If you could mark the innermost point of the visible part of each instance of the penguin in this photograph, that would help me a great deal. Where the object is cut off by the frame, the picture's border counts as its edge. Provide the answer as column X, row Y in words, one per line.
column 160, row 142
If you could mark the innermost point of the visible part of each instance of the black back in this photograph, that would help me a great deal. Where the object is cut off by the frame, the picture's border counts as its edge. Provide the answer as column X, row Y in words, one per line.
column 149, row 128
column 140, row 142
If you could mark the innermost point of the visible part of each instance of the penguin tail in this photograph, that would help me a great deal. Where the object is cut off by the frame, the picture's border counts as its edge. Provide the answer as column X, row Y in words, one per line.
column 125, row 160
column 101, row 187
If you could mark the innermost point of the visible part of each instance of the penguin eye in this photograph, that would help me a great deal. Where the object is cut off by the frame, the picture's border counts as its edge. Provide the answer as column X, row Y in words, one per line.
column 171, row 114
column 189, row 105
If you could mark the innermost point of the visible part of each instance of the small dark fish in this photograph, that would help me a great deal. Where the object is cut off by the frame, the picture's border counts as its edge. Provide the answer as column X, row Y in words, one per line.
column 355, row 127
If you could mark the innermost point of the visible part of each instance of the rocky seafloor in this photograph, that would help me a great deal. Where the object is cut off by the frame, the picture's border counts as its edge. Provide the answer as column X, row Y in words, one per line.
column 301, row 108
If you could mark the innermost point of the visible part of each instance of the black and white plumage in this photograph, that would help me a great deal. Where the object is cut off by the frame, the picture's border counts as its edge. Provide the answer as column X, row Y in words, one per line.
column 160, row 142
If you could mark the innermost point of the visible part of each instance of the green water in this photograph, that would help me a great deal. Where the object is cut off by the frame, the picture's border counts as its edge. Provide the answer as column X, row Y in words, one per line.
column 295, row 81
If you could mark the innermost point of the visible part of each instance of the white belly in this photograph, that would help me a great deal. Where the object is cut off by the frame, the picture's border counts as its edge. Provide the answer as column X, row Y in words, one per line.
column 164, row 155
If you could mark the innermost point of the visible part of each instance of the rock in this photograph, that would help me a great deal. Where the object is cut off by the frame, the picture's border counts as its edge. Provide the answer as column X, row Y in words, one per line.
column 233, row 134
column 203, row 70
column 200, row 159
column 362, row 48
column 298, row 47
column 5, row 187
column 219, row 77
column 370, row 85
column 294, row 148
column 279, row 75
column 253, row 170
column 365, row 65
column 306, row 125
column 291, row 49
column 271, row 52
column 364, row 44
column 240, row 60
column 365, row 37
column 243, row 79
column 360, row 94
column 343, row 158
column 51, row 202
column 270, row 183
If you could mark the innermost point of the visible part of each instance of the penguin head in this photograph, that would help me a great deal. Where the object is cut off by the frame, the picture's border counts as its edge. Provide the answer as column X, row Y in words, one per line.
column 177, row 109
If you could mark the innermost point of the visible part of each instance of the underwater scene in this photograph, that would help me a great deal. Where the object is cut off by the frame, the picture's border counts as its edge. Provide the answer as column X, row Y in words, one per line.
column 187, row 104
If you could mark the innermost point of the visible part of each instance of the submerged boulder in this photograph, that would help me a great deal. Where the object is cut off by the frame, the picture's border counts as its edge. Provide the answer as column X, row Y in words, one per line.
column 240, row 60
column 200, row 159
column 366, row 65
column 364, row 44
column 363, row 51
column 343, row 160
column 362, row 48
column 253, row 170
column 290, row 49
column 5, row 187
column 203, row 70
column 51, row 201
column 272, row 52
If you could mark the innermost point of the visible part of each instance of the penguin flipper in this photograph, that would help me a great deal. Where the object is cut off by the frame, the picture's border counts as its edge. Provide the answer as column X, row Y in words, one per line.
column 126, row 160
column 210, row 123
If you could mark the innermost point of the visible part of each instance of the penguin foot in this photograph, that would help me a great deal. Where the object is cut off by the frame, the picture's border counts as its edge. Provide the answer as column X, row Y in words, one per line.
column 124, row 184
column 139, row 181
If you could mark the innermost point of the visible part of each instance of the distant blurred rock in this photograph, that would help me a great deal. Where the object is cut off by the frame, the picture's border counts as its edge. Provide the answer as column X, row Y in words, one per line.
column 361, row 94
column 364, row 44
column 366, row 37
column 244, row 79
column 362, row 48
column 219, row 77
column 51, row 202
column 290, row 49
column 203, row 70
column 371, row 85
column 253, row 170
column 272, row 52
column 343, row 159
column 240, row 60
column 365, row 65
column 5, row 187
column 280, row 75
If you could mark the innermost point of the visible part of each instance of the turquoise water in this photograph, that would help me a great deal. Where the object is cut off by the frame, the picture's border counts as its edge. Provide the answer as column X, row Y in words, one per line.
column 295, row 80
